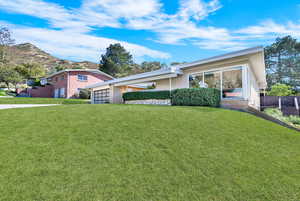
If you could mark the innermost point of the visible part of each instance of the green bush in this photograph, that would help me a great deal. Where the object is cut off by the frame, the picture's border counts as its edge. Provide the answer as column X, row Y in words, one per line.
column 280, row 90
column 144, row 95
column 294, row 120
column 276, row 113
column 2, row 93
column 84, row 94
column 196, row 97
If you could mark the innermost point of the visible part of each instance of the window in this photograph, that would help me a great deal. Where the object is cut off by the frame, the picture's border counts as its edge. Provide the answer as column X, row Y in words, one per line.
column 212, row 80
column 62, row 77
column 230, row 81
column 233, row 84
column 101, row 96
column 196, row 81
column 62, row 92
column 82, row 77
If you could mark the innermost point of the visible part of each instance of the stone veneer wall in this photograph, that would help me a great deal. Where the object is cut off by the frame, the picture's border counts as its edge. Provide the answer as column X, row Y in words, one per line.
column 150, row 102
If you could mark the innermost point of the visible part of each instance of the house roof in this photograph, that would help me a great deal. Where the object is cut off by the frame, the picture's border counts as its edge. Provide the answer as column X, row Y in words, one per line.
column 178, row 68
column 222, row 57
column 81, row 70
column 137, row 76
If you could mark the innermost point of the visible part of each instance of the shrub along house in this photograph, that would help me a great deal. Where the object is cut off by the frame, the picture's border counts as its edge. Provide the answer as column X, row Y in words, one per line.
column 239, row 76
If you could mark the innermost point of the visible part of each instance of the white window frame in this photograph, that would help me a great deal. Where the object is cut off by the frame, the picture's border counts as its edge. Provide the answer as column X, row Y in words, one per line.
column 80, row 76
column 243, row 67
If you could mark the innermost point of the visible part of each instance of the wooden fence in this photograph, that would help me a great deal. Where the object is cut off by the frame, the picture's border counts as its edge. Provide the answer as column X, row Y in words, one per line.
column 289, row 105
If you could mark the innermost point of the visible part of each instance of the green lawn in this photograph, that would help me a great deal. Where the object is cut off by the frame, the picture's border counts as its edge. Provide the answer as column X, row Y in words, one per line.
column 18, row 100
column 145, row 153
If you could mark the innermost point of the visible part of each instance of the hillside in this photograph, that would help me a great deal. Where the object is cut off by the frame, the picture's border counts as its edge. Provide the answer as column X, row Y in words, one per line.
column 29, row 53
column 137, row 152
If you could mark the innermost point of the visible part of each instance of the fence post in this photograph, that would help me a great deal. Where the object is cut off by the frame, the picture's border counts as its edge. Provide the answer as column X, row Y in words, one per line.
column 279, row 103
column 297, row 105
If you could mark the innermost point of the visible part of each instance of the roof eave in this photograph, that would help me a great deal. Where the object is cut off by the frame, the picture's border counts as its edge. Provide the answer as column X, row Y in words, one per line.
column 223, row 57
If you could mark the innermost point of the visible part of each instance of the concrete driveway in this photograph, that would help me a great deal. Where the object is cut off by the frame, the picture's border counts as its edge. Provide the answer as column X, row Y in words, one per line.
column 10, row 106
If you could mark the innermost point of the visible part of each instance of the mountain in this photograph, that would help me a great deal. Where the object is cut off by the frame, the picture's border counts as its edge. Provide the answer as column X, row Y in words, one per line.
column 29, row 53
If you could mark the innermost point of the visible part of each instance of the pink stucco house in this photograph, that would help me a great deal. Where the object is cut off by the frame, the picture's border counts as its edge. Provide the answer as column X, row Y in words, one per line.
column 67, row 83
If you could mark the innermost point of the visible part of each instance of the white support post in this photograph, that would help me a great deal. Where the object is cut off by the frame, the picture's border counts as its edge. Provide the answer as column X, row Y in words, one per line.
column 92, row 96
column 279, row 103
column 296, row 104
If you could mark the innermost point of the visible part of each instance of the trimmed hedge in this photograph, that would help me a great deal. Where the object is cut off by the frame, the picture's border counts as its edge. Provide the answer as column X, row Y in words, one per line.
column 188, row 96
column 144, row 95
column 196, row 97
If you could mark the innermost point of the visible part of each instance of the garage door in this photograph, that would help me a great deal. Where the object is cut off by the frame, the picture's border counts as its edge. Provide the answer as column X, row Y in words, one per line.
column 101, row 96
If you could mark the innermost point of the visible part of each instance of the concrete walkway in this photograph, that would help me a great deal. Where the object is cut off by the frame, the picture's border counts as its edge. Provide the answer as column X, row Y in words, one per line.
column 9, row 106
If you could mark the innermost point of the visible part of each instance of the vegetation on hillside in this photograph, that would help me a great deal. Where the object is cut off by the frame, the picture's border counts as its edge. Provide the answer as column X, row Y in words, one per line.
column 291, row 120
column 125, row 152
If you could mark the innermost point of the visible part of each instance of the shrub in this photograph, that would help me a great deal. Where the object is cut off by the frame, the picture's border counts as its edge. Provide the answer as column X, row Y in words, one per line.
column 2, row 93
column 294, row 120
column 280, row 90
column 84, row 94
column 274, row 112
column 144, row 95
column 196, row 97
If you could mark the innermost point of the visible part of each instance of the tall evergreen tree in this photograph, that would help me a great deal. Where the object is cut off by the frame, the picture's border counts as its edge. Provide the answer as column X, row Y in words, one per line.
column 283, row 62
column 116, row 61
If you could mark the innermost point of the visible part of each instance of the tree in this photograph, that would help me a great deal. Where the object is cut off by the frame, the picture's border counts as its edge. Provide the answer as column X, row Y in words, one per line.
column 5, row 41
column 151, row 66
column 9, row 75
column 283, row 62
column 60, row 68
column 30, row 71
column 280, row 90
column 177, row 63
column 148, row 66
column 116, row 61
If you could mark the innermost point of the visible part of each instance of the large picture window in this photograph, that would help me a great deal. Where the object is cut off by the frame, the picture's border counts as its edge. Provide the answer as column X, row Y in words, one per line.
column 232, row 84
column 212, row 80
column 229, row 81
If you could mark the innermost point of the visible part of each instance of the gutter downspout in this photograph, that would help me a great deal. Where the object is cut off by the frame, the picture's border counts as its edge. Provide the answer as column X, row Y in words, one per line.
column 68, row 84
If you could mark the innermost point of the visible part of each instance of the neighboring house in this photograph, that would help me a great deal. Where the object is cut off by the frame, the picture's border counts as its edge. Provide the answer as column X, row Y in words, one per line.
column 67, row 83
column 239, row 75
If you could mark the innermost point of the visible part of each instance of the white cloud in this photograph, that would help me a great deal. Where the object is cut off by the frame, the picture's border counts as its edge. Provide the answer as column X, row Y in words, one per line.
column 146, row 14
column 197, row 9
column 270, row 29
column 80, row 46
column 71, row 36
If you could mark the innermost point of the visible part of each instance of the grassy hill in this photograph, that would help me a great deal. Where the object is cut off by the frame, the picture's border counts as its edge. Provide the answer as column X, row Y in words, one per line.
column 126, row 152
column 29, row 53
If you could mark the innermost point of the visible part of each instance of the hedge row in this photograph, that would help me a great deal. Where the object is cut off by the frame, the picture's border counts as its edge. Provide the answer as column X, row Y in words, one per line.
column 188, row 97
column 144, row 95
column 196, row 97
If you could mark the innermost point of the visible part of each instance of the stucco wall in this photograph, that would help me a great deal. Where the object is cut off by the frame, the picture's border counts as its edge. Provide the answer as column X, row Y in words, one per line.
column 254, row 91
column 75, row 84
column 57, row 82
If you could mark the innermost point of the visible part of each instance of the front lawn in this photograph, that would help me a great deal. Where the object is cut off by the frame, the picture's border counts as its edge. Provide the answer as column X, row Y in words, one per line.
column 17, row 100
column 135, row 152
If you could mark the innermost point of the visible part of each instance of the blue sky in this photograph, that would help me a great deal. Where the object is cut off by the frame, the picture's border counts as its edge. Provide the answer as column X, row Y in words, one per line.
column 152, row 30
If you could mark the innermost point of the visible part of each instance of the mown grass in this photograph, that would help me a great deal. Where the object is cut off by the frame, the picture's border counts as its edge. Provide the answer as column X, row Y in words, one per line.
column 17, row 100
column 131, row 152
